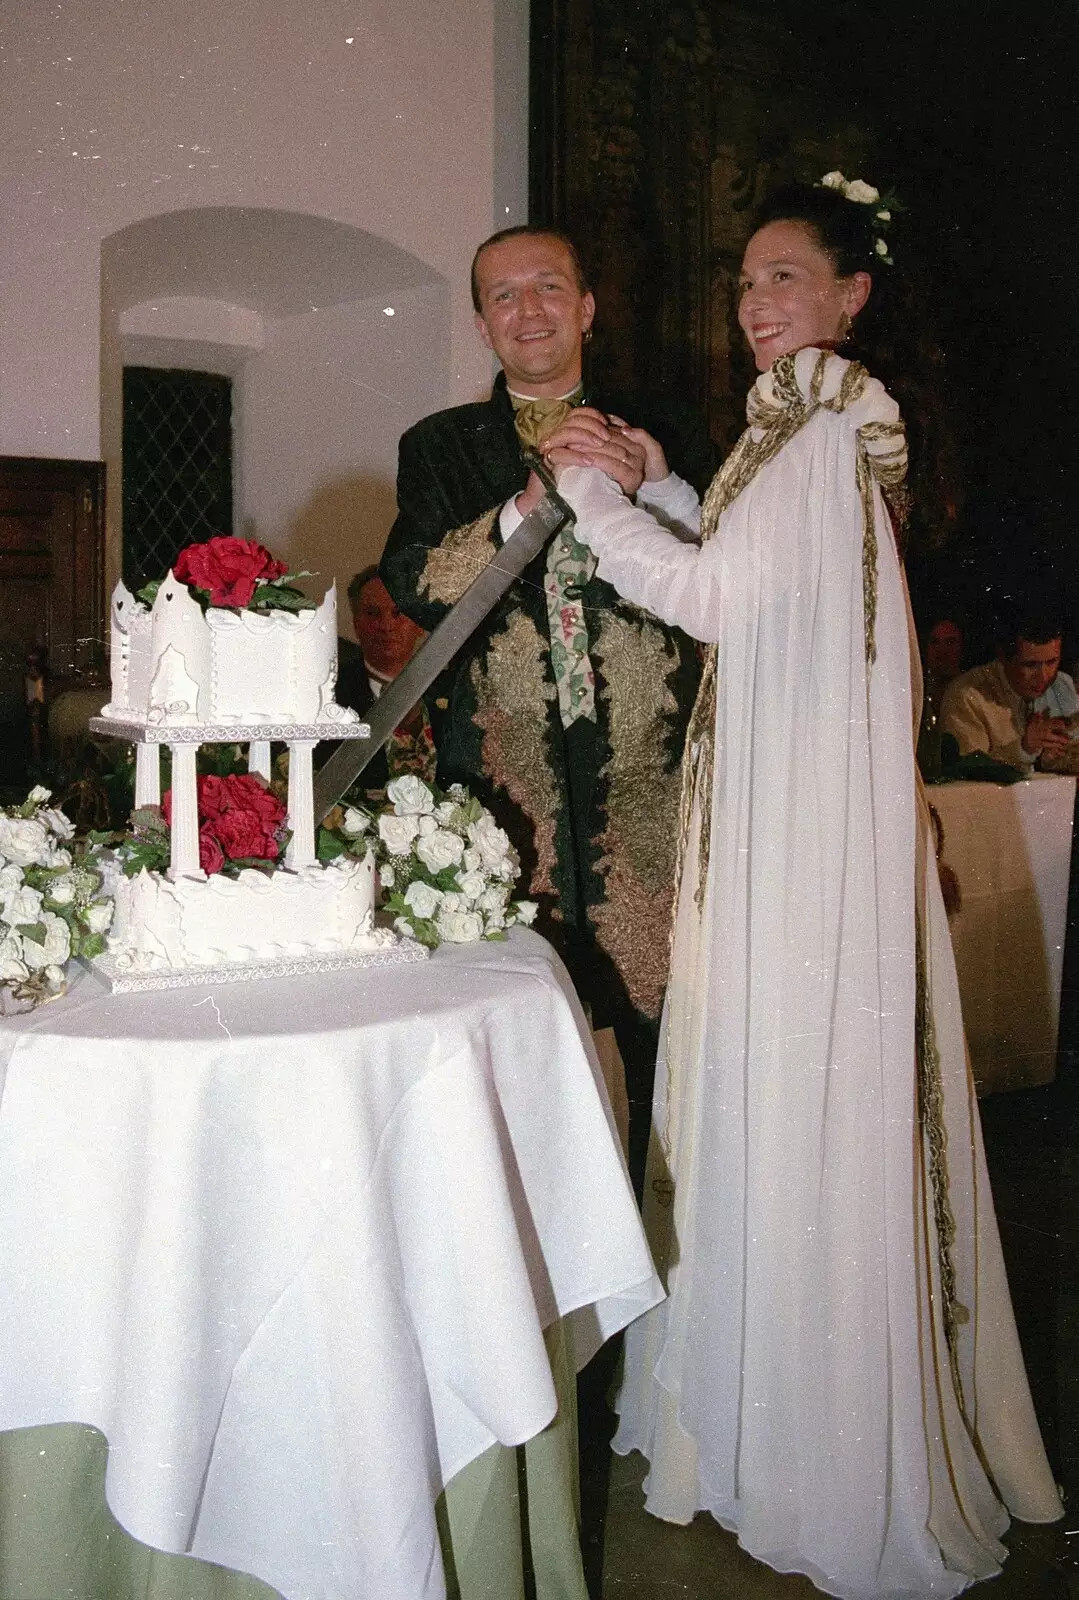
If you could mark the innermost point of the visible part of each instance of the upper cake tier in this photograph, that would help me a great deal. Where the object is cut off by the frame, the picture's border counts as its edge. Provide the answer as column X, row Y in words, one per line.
column 175, row 665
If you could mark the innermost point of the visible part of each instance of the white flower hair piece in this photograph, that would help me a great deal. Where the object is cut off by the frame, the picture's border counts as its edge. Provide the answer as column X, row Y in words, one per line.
column 864, row 194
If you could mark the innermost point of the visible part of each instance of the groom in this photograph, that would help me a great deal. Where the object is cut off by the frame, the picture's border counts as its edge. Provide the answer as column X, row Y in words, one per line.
column 566, row 711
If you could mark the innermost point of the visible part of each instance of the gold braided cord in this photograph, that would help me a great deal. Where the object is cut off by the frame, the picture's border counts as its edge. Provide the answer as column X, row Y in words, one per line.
column 864, row 478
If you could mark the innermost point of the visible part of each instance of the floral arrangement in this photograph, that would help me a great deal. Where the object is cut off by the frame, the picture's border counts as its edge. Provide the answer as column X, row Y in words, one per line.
column 241, row 824
column 447, row 868
column 238, row 574
column 53, row 902
column 864, row 194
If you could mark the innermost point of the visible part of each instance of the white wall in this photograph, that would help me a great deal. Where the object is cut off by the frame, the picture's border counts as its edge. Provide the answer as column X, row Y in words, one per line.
column 400, row 118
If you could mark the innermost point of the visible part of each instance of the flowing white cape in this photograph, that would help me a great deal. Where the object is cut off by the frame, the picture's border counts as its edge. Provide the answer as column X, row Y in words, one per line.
column 797, row 1382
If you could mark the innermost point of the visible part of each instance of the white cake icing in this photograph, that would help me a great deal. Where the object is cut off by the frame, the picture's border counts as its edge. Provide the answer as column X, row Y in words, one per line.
column 174, row 665
column 186, row 923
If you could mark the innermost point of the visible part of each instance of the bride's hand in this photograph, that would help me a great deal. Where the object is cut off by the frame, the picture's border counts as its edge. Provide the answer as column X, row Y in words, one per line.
column 655, row 462
column 586, row 441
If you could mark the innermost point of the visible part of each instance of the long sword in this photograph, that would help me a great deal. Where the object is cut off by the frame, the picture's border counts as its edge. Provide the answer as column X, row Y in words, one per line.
column 397, row 699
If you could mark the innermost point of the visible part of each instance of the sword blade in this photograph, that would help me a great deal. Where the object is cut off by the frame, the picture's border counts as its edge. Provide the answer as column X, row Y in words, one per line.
column 350, row 758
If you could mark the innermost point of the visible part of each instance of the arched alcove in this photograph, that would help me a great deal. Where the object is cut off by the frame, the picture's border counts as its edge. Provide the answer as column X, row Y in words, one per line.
column 335, row 341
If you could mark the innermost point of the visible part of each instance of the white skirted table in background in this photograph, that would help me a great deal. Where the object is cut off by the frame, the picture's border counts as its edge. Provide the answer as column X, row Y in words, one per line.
column 1010, row 847
column 292, row 1247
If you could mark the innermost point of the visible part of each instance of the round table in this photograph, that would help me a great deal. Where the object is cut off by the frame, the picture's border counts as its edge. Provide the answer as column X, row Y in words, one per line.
column 292, row 1248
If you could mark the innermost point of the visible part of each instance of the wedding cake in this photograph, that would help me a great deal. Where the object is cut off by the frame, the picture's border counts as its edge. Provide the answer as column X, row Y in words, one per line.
column 218, row 873
column 173, row 664
column 258, row 917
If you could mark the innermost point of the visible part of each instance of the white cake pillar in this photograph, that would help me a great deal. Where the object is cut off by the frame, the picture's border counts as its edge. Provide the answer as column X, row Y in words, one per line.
column 301, row 804
column 184, row 858
column 258, row 758
column 147, row 775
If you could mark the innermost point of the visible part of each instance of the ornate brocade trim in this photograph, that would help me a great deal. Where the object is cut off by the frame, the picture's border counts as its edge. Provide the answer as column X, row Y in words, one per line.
column 512, row 696
column 452, row 565
column 935, row 1133
column 638, row 843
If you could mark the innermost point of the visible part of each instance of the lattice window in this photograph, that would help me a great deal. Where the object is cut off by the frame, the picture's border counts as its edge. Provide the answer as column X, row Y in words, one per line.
column 177, row 466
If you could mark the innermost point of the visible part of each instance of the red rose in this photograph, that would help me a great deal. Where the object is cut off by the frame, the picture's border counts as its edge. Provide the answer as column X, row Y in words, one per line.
column 239, row 818
column 245, row 791
column 227, row 569
column 242, row 834
column 211, row 855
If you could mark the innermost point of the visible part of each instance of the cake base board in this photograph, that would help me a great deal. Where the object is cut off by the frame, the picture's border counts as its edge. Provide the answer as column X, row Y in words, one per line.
column 123, row 981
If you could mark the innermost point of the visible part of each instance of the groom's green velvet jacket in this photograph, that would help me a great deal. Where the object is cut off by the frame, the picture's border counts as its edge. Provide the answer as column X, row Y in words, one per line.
column 593, row 809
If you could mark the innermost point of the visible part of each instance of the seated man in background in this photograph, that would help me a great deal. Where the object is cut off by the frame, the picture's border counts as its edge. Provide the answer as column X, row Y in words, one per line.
column 387, row 641
column 1019, row 709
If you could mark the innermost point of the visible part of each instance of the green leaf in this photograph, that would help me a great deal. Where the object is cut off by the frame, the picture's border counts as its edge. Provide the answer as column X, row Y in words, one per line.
column 91, row 944
column 34, row 931
column 330, row 845
column 496, row 936
column 148, row 593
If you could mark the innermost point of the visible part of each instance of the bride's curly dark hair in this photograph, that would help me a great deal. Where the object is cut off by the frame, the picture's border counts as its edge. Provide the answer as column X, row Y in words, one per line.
column 894, row 338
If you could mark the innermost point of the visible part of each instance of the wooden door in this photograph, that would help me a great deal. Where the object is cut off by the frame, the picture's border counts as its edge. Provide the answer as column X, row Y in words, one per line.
column 51, row 599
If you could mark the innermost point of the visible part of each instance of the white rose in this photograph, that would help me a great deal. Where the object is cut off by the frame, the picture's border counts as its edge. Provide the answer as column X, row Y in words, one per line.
column 386, row 875
column 61, row 891
column 397, row 833
column 58, row 857
column 880, row 247
column 440, row 849
column 11, row 877
column 472, row 861
column 353, row 823
column 24, row 840
column 38, row 795
column 422, row 899
column 444, row 810
column 884, row 216
column 98, row 916
column 494, row 922
column 863, row 193
column 493, row 898
column 410, row 796
column 21, row 906
column 55, row 820
column 488, row 838
column 57, row 946
column 12, row 966
column 471, row 884
column 833, row 180
column 404, row 927
column 55, row 976
column 428, row 825
column 457, row 791
column 460, row 927
column 526, row 912
column 453, row 902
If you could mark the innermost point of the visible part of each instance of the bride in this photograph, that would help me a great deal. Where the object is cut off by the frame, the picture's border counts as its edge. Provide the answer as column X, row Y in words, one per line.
column 836, row 1374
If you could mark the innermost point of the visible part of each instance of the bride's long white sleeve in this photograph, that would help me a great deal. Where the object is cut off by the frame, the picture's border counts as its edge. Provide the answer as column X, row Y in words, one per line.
column 677, row 582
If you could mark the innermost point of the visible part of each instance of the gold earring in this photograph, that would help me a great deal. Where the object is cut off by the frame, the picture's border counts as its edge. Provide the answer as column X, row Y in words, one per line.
column 846, row 327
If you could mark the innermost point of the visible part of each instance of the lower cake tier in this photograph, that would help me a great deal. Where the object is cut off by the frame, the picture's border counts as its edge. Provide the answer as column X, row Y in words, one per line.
column 189, row 923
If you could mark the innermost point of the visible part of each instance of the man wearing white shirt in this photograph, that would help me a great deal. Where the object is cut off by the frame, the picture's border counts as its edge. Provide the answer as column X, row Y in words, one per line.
column 1019, row 709
column 566, row 711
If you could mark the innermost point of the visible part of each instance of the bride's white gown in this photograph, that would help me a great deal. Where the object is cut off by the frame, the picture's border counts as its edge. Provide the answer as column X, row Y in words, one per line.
column 798, row 1383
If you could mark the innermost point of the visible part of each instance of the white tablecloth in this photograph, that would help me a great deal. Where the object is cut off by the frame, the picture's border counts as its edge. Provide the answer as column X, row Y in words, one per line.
column 292, row 1247
column 1010, row 847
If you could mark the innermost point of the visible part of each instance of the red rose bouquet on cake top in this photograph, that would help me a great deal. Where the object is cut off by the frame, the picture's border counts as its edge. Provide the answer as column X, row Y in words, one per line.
column 241, row 824
column 237, row 574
